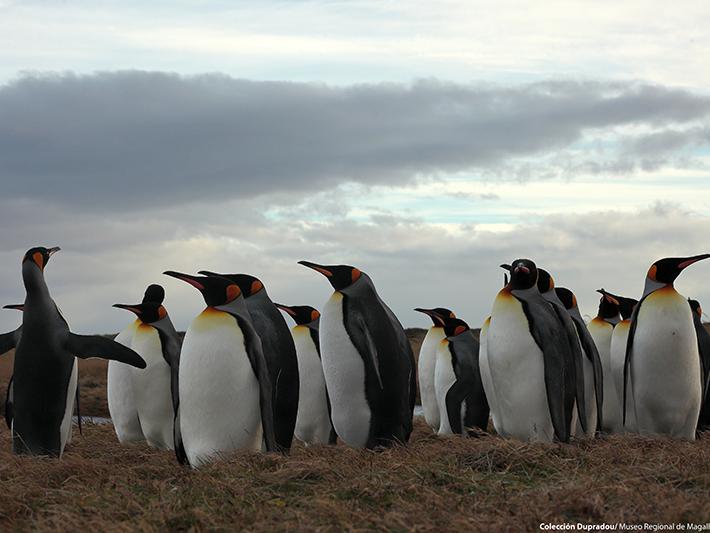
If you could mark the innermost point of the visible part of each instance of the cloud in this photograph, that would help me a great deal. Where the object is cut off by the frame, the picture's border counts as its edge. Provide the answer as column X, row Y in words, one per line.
column 120, row 141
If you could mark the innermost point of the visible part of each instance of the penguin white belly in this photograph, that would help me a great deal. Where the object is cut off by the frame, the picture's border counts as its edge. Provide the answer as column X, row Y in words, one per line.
column 518, row 374
column 219, row 392
column 664, row 367
column 444, row 378
column 121, row 395
column 617, row 357
column 601, row 333
column 484, row 368
column 344, row 371
column 66, row 426
column 152, row 389
column 426, row 368
column 312, row 420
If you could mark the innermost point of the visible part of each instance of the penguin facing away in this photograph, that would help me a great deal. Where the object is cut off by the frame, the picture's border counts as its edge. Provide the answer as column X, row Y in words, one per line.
column 367, row 361
column 45, row 371
column 8, row 341
column 662, row 359
column 459, row 390
column 224, row 387
column 704, row 349
column 593, row 375
column 279, row 351
column 426, row 365
column 313, row 424
column 601, row 329
column 527, row 354
column 156, row 388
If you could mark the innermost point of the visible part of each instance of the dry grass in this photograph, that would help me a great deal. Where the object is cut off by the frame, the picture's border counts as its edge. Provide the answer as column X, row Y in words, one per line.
column 434, row 484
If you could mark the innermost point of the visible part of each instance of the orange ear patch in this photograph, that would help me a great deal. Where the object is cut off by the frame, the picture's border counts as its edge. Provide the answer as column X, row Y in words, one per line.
column 162, row 313
column 356, row 275
column 574, row 301
column 314, row 315
column 552, row 283
column 233, row 292
column 256, row 286
column 38, row 258
column 652, row 273
column 459, row 330
column 452, row 315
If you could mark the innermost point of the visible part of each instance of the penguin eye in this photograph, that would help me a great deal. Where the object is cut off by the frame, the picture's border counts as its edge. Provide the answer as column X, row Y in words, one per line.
column 652, row 272
column 38, row 258
column 355, row 274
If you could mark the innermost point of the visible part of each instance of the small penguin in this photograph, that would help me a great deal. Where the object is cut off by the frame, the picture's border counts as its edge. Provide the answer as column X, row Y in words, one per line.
column 601, row 328
column 7, row 342
column 120, row 389
column 367, row 362
column 526, row 362
column 459, row 391
column 426, row 364
column 313, row 424
column 45, row 370
column 662, row 359
column 224, row 387
column 593, row 376
column 279, row 351
column 156, row 388
column 704, row 349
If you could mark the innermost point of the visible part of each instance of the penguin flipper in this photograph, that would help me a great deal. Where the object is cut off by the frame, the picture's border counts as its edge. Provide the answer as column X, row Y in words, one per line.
column 9, row 340
column 454, row 398
column 627, row 357
column 10, row 403
column 255, row 353
column 592, row 353
column 86, row 346
column 180, row 453
column 545, row 330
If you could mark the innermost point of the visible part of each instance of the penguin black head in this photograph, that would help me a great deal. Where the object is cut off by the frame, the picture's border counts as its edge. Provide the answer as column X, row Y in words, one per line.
column 523, row 274
column 566, row 296
column 340, row 276
column 39, row 255
column 545, row 283
column 301, row 314
column 154, row 293
column 455, row 327
column 439, row 315
column 215, row 290
column 694, row 307
column 249, row 285
column 608, row 307
column 626, row 305
column 665, row 271
column 20, row 307
column 147, row 312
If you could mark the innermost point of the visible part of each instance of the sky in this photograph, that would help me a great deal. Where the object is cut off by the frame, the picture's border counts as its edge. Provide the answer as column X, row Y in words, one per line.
column 425, row 143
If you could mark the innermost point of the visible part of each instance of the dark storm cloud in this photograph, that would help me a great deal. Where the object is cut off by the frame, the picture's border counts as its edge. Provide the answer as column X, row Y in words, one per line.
column 143, row 139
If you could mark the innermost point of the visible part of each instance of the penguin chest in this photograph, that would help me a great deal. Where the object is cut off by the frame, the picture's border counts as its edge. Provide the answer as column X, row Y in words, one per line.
column 219, row 392
column 312, row 420
column 345, row 377
column 665, row 368
column 517, row 373
column 444, row 378
column 601, row 332
column 120, row 393
column 426, row 368
column 152, row 388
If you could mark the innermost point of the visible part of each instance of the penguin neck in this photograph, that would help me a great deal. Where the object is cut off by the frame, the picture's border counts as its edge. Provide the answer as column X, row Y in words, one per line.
column 614, row 320
column 653, row 285
column 236, row 307
column 33, row 279
column 165, row 325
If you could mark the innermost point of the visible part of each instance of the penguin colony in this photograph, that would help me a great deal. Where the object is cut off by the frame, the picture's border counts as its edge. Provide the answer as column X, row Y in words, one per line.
column 240, row 380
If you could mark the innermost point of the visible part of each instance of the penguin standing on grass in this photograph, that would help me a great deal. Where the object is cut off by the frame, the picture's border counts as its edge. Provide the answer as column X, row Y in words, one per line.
column 426, row 365
column 367, row 362
column 279, row 351
column 45, row 371
column 662, row 361
column 459, row 391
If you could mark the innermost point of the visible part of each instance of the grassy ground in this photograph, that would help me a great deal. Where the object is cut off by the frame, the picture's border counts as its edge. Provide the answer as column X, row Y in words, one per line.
column 434, row 484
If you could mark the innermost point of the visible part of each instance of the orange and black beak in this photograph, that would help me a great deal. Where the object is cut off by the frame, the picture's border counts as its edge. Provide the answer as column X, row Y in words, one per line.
column 133, row 308
column 609, row 297
column 318, row 268
column 195, row 281
column 16, row 307
column 435, row 316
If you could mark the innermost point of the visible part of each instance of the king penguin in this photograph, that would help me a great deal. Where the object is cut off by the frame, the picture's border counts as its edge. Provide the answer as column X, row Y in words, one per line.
column 704, row 349
column 525, row 375
column 426, row 364
column 224, row 386
column 156, row 388
column 313, row 424
column 7, row 342
column 601, row 329
column 45, row 371
column 463, row 407
column 593, row 376
column 121, row 391
column 367, row 362
column 279, row 351
column 662, row 361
